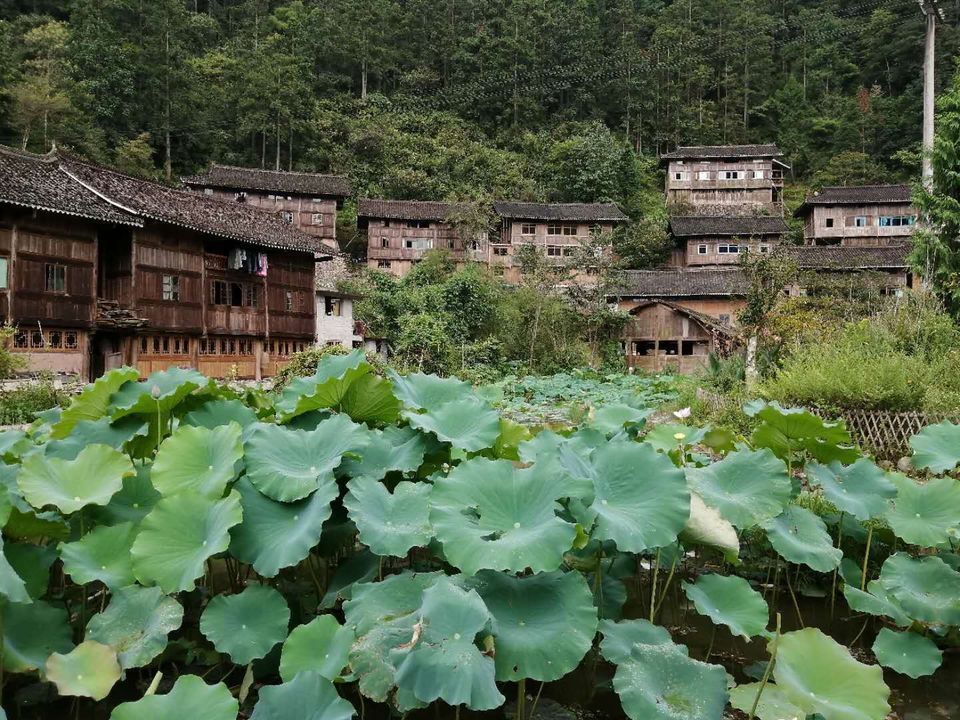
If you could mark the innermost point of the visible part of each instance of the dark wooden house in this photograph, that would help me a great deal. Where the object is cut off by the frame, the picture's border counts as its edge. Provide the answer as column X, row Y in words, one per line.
column 720, row 240
column 864, row 215
column 102, row 269
column 825, row 270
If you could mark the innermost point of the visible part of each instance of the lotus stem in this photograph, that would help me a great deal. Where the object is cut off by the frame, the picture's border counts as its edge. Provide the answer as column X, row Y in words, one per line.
column 653, row 587
column 866, row 558
column 533, row 708
column 766, row 671
column 666, row 587
column 793, row 596
column 521, row 699
column 713, row 636
column 456, row 713
column 833, row 585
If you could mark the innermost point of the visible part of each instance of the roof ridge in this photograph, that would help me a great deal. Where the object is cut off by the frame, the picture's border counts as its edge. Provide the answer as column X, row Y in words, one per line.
column 50, row 156
column 271, row 171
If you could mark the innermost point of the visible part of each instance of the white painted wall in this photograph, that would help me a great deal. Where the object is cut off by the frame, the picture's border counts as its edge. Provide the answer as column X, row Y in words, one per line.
column 333, row 328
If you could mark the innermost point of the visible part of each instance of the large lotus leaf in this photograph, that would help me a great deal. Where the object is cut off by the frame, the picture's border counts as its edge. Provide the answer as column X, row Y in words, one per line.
column 544, row 624
column 190, row 697
column 96, row 432
column 801, row 537
column 12, row 444
column 362, row 567
column 321, row 646
column 247, row 625
column 928, row 589
column 324, row 389
column 620, row 638
column 215, row 413
column 906, row 652
column 861, row 489
column 136, row 624
column 819, row 675
column 468, row 423
column 443, row 662
column 569, row 456
column 178, row 536
column 275, row 535
column 89, row 670
column 32, row 563
column 94, row 401
column 399, row 449
column 102, row 554
column 69, row 485
column 659, row 682
column 370, row 399
column 309, row 696
column 877, row 600
column 12, row 586
column 31, row 633
column 773, row 704
column 706, row 526
column 163, row 389
column 925, row 514
column 196, row 458
column 390, row 523
column 490, row 515
column 641, row 498
column 748, row 487
column 793, row 424
column 288, row 465
column 664, row 436
column 135, row 499
column 729, row 600
column 428, row 392
column 613, row 417
column 937, row 447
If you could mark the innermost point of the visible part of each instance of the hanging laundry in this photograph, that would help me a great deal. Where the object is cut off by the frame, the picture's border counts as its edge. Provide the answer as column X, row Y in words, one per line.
column 261, row 268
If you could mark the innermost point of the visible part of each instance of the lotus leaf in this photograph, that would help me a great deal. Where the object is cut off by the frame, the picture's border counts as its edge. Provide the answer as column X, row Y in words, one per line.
column 860, row 490
column 663, row 436
column 491, row 516
column 91, row 479
column 94, row 401
column 641, row 499
column 613, row 417
column 135, row 499
column 178, row 536
column 96, row 432
column 12, row 586
column 391, row 449
column 163, row 389
column 247, row 625
column 906, row 652
column 370, row 399
column 428, row 392
column 32, row 563
column 196, row 458
column 31, row 633
column 928, row 589
column 324, row 389
column 102, row 554
column 937, row 447
column 190, row 697
column 136, row 624
column 619, row 638
column 361, row 568
column 773, row 704
column 544, row 624
column 321, row 646
column 609, row 596
column 309, row 696
column 288, row 465
column 706, row 526
column 390, row 523
column 748, row 487
column 275, row 535
column 12, row 444
column 925, row 514
column 89, row 670
column 801, row 537
column 214, row 413
column 730, row 601
column 818, row 675
column 468, row 423
column 877, row 600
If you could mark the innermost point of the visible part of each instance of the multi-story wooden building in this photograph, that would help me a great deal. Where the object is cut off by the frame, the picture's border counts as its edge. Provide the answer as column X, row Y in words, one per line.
column 827, row 270
column 861, row 215
column 720, row 240
column 725, row 180
column 401, row 232
column 100, row 269
column 309, row 201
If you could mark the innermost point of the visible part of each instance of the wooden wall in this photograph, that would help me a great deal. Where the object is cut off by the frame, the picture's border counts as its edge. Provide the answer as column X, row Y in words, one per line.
column 716, row 196
column 661, row 338
column 844, row 232
column 314, row 216
column 386, row 243
column 722, row 308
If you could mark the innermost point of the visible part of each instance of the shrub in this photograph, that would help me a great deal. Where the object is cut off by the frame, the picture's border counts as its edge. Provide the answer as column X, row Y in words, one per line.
column 19, row 405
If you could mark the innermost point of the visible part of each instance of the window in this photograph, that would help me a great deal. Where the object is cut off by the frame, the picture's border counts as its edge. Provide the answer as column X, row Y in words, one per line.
column 56, row 339
column 498, row 270
column 3, row 273
column 554, row 251
column 553, row 229
column 287, row 216
column 829, row 222
column 681, row 176
column 727, row 249
column 240, row 197
column 383, row 263
column 384, row 242
column 316, row 219
column 418, row 224
column 570, row 250
column 36, row 340
column 500, row 251
column 331, row 306
column 528, row 229
column 730, row 175
column 253, row 296
column 569, row 230
column 861, row 221
column 418, row 243
column 170, row 288
column 757, row 175
column 725, row 319
column 701, row 249
column 236, row 294
column 288, row 301
column 764, row 248
column 704, row 175
column 55, row 277
column 218, row 292
column 20, row 340
column 892, row 221
column 208, row 191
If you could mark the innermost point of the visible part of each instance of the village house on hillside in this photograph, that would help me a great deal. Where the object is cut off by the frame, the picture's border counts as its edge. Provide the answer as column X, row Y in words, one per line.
column 719, row 240
column 309, row 201
column 99, row 269
column 884, row 268
column 858, row 215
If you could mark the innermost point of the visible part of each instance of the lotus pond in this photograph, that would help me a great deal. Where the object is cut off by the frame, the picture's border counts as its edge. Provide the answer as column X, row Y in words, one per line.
column 361, row 545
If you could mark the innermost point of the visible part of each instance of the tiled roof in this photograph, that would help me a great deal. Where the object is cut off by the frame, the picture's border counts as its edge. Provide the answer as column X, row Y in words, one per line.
column 407, row 209
column 856, row 195
column 330, row 272
column 683, row 283
column 691, row 152
column 36, row 181
column 562, row 212
column 294, row 183
column 707, row 321
column 746, row 226
column 845, row 257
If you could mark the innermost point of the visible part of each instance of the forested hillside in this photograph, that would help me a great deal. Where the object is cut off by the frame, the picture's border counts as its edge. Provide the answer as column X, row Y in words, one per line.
column 556, row 99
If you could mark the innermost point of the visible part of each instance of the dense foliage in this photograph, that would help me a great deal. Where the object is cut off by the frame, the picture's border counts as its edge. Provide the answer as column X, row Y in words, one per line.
column 366, row 539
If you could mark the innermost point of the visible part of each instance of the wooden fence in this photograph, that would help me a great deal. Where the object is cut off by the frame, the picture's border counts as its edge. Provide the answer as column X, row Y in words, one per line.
column 882, row 433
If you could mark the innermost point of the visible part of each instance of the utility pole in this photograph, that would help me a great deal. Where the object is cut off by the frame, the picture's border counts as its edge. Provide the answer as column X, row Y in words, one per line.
column 931, row 9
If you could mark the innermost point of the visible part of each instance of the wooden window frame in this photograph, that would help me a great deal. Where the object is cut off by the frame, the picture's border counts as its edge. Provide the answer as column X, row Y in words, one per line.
column 171, row 293
column 51, row 271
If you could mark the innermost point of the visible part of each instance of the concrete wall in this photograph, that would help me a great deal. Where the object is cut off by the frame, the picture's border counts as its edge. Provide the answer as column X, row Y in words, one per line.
column 336, row 329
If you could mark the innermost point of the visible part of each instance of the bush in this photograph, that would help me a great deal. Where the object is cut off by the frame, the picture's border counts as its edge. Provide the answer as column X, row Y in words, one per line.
column 304, row 364
column 19, row 406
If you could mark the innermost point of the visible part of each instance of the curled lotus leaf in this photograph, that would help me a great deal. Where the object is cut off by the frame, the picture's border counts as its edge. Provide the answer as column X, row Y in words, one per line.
column 89, row 670
column 860, row 490
column 370, row 399
column 390, row 523
column 214, row 413
column 135, row 499
column 543, row 624
column 937, row 447
column 773, row 704
column 468, row 423
column 664, row 436
column 928, row 589
column 789, row 430
column 489, row 515
column 641, row 499
column 247, row 625
column 393, row 449
column 748, row 487
column 102, row 554
column 12, row 586
column 729, row 600
column 275, row 535
column 326, row 388
column 906, row 652
column 925, row 514
column 801, row 537
column 876, row 600
column 427, row 392
column 136, row 624
column 619, row 638
column 321, row 646
column 32, row 563
column 363, row 567
column 706, row 526
column 96, row 432
column 288, row 465
column 91, row 479
column 163, row 390
column 197, row 458
column 13, row 443
column 190, row 697
column 31, row 632
column 614, row 417
column 818, row 675
column 178, row 536
column 309, row 696
column 93, row 402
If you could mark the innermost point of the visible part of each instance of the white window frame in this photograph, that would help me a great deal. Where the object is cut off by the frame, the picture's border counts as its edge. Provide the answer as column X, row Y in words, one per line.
column 704, row 175
column 702, row 249
column 316, row 219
